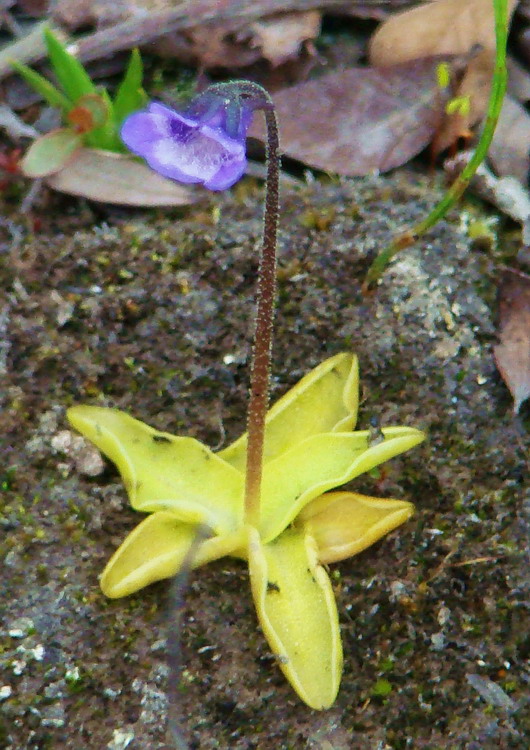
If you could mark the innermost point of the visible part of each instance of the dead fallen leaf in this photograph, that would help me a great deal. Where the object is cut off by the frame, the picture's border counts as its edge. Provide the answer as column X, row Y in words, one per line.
column 361, row 120
column 276, row 38
column 441, row 27
column 208, row 46
column 281, row 37
column 445, row 27
column 510, row 147
column 76, row 13
column 512, row 354
column 114, row 178
column 133, row 23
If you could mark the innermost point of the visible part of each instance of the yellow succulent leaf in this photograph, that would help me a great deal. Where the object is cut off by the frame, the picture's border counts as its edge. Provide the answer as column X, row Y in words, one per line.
column 164, row 472
column 297, row 612
column 345, row 523
column 156, row 548
column 321, row 463
column 324, row 400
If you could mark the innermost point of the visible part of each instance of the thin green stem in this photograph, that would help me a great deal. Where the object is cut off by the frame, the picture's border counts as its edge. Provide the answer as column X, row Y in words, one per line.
column 498, row 89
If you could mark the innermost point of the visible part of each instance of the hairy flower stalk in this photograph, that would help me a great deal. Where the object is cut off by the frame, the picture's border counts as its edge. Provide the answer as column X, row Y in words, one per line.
column 266, row 294
column 206, row 144
column 252, row 96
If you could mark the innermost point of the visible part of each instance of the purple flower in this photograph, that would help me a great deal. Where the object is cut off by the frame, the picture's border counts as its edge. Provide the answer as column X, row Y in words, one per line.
column 206, row 144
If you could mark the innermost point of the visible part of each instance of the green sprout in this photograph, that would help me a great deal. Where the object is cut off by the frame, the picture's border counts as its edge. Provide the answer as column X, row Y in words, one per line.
column 91, row 117
column 443, row 75
column 498, row 89
column 458, row 105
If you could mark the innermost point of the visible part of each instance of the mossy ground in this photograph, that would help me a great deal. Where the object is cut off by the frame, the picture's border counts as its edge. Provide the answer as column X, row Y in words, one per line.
column 150, row 312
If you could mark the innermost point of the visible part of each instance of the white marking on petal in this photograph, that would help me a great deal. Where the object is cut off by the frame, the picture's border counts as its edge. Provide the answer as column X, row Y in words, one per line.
column 162, row 125
column 198, row 157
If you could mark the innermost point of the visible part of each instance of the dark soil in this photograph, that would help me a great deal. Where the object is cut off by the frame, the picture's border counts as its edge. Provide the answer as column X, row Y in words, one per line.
column 150, row 312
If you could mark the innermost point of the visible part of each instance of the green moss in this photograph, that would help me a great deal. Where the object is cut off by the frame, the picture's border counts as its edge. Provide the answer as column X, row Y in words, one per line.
column 382, row 688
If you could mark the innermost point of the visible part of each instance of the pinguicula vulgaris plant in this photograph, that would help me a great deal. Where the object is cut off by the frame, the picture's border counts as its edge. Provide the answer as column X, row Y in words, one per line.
column 90, row 116
column 264, row 498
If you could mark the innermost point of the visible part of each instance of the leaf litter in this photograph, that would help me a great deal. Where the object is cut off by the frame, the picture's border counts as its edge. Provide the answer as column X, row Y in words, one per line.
column 361, row 120
column 352, row 121
column 445, row 27
column 512, row 353
column 115, row 178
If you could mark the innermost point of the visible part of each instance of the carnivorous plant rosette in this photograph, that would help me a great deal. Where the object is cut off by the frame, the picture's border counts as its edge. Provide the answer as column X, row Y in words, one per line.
column 265, row 498
column 310, row 448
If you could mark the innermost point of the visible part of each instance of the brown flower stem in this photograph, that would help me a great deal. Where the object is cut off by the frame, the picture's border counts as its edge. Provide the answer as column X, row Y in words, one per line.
column 253, row 96
column 261, row 359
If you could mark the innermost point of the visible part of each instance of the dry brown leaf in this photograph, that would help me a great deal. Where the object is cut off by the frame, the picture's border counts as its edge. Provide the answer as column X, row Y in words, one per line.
column 361, row 120
column 218, row 45
column 441, row 27
column 76, row 13
column 114, row 178
column 510, row 147
column 209, row 46
column 281, row 37
column 445, row 27
column 512, row 354
column 123, row 24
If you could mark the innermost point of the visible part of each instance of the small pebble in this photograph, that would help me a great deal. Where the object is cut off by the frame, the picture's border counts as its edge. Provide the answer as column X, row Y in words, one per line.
column 121, row 738
column 491, row 692
column 438, row 641
column 444, row 615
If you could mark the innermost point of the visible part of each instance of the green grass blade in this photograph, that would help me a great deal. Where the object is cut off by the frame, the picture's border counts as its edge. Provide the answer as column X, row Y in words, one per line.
column 498, row 89
column 42, row 86
column 130, row 96
column 71, row 75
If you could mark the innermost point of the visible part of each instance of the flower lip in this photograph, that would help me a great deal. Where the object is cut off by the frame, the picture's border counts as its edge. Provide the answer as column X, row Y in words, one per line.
column 188, row 147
